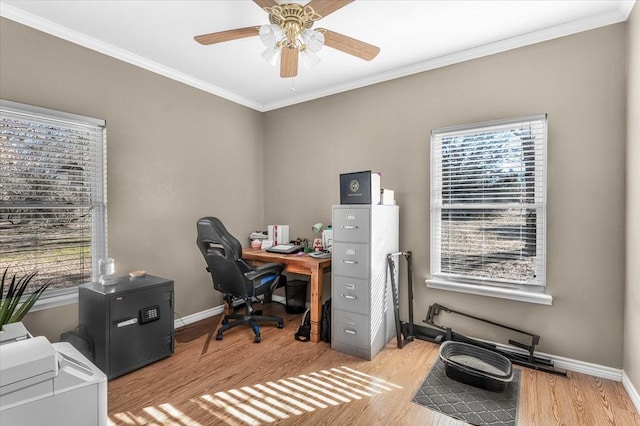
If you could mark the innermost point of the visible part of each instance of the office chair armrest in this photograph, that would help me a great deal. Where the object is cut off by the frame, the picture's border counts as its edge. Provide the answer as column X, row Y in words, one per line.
column 263, row 270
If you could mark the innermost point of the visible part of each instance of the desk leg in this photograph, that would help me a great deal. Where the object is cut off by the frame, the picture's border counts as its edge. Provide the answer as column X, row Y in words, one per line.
column 316, row 303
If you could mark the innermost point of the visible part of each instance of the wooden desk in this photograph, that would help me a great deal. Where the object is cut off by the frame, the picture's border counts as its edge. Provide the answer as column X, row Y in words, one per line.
column 304, row 265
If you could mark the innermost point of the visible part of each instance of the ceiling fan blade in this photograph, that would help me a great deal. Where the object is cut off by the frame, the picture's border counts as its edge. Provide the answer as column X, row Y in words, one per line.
column 350, row 45
column 228, row 35
column 265, row 3
column 289, row 62
column 326, row 7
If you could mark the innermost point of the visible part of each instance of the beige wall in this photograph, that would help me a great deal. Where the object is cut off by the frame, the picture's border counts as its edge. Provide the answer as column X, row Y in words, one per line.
column 632, row 294
column 175, row 154
column 578, row 80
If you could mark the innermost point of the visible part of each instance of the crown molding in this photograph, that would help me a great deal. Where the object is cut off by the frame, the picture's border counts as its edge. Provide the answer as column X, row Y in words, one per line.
column 46, row 26
column 597, row 21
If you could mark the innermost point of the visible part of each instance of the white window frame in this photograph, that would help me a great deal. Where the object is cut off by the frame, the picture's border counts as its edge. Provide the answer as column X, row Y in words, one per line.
column 534, row 290
column 58, row 297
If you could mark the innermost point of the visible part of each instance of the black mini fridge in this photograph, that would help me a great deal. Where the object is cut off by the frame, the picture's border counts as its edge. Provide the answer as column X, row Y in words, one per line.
column 130, row 323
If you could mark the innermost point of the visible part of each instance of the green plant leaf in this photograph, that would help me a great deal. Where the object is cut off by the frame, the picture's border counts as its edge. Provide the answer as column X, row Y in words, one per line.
column 12, row 309
column 2, row 284
column 28, row 303
column 5, row 300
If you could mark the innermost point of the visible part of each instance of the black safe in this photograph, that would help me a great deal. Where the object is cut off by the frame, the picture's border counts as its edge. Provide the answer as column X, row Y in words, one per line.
column 130, row 323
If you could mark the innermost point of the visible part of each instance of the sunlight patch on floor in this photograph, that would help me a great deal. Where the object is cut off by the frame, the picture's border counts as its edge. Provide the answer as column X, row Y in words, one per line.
column 265, row 402
column 164, row 414
column 293, row 396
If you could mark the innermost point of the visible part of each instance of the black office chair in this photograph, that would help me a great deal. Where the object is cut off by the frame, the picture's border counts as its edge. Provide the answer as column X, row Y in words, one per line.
column 234, row 278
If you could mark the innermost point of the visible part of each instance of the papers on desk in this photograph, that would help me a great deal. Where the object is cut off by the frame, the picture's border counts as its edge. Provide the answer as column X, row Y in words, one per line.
column 284, row 248
column 257, row 236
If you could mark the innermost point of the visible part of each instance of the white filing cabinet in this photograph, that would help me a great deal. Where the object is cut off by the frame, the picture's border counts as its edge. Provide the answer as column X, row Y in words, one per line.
column 362, row 321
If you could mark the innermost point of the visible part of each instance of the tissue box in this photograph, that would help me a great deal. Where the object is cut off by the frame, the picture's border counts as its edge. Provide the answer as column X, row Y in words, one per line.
column 388, row 198
column 360, row 188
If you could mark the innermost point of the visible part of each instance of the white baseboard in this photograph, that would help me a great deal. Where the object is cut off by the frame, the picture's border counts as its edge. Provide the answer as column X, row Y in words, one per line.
column 631, row 390
column 583, row 367
column 570, row 364
column 199, row 316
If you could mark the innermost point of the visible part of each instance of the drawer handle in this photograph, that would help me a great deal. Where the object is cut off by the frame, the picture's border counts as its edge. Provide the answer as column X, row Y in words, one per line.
column 349, row 226
column 127, row 322
column 349, row 331
column 350, row 262
column 348, row 296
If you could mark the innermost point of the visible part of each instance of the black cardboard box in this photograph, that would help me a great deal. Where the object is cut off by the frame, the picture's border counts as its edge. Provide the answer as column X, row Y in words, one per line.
column 360, row 188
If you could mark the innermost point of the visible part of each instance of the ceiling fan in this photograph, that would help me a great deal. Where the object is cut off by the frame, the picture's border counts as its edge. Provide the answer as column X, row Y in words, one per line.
column 290, row 35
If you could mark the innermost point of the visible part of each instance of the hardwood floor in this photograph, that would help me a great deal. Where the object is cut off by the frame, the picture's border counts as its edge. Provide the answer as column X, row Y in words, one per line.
column 285, row 382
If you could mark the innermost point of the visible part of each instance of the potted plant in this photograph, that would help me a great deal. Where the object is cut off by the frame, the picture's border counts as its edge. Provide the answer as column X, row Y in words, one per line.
column 12, row 308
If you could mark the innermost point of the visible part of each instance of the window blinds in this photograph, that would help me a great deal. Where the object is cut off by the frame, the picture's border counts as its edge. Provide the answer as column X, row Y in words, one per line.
column 488, row 202
column 52, row 194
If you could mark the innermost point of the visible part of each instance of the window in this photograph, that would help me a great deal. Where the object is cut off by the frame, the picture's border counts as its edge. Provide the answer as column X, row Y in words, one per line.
column 488, row 200
column 52, row 195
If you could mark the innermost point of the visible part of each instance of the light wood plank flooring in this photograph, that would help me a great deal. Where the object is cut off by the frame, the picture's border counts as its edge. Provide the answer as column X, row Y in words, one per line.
column 286, row 382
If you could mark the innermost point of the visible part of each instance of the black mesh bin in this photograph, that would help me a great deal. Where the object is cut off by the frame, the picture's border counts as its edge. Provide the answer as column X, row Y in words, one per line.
column 296, row 295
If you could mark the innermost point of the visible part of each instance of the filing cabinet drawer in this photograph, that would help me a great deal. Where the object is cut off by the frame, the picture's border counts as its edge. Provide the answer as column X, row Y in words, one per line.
column 351, row 294
column 351, row 260
column 352, row 350
column 351, row 224
column 351, row 329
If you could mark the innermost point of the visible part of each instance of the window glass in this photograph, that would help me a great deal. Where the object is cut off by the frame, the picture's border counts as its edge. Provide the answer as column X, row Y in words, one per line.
column 488, row 202
column 52, row 195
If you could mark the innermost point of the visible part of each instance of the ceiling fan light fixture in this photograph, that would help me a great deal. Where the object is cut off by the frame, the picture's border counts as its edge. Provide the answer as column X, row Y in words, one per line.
column 291, row 29
column 270, row 34
column 309, row 59
column 314, row 40
column 289, row 37
column 272, row 54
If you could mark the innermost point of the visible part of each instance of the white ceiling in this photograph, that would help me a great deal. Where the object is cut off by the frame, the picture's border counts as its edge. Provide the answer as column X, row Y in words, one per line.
column 413, row 36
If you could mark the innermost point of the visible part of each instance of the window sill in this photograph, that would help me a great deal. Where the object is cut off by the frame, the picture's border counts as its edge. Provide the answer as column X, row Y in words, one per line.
column 499, row 292
column 55, row 301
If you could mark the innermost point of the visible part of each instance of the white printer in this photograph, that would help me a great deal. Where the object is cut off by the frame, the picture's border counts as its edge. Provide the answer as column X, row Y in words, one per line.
column 44, row 383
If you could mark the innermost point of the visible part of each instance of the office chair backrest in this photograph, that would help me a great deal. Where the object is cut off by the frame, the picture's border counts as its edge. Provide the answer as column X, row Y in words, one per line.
column 223, row 254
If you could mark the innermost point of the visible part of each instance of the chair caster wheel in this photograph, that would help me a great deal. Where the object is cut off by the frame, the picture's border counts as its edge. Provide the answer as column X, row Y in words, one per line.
column 219, row 336
column 257, row 339
column 280, row 325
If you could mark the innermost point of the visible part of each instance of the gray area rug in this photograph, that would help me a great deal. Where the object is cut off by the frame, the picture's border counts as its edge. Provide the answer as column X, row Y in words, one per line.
column 468, row 403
